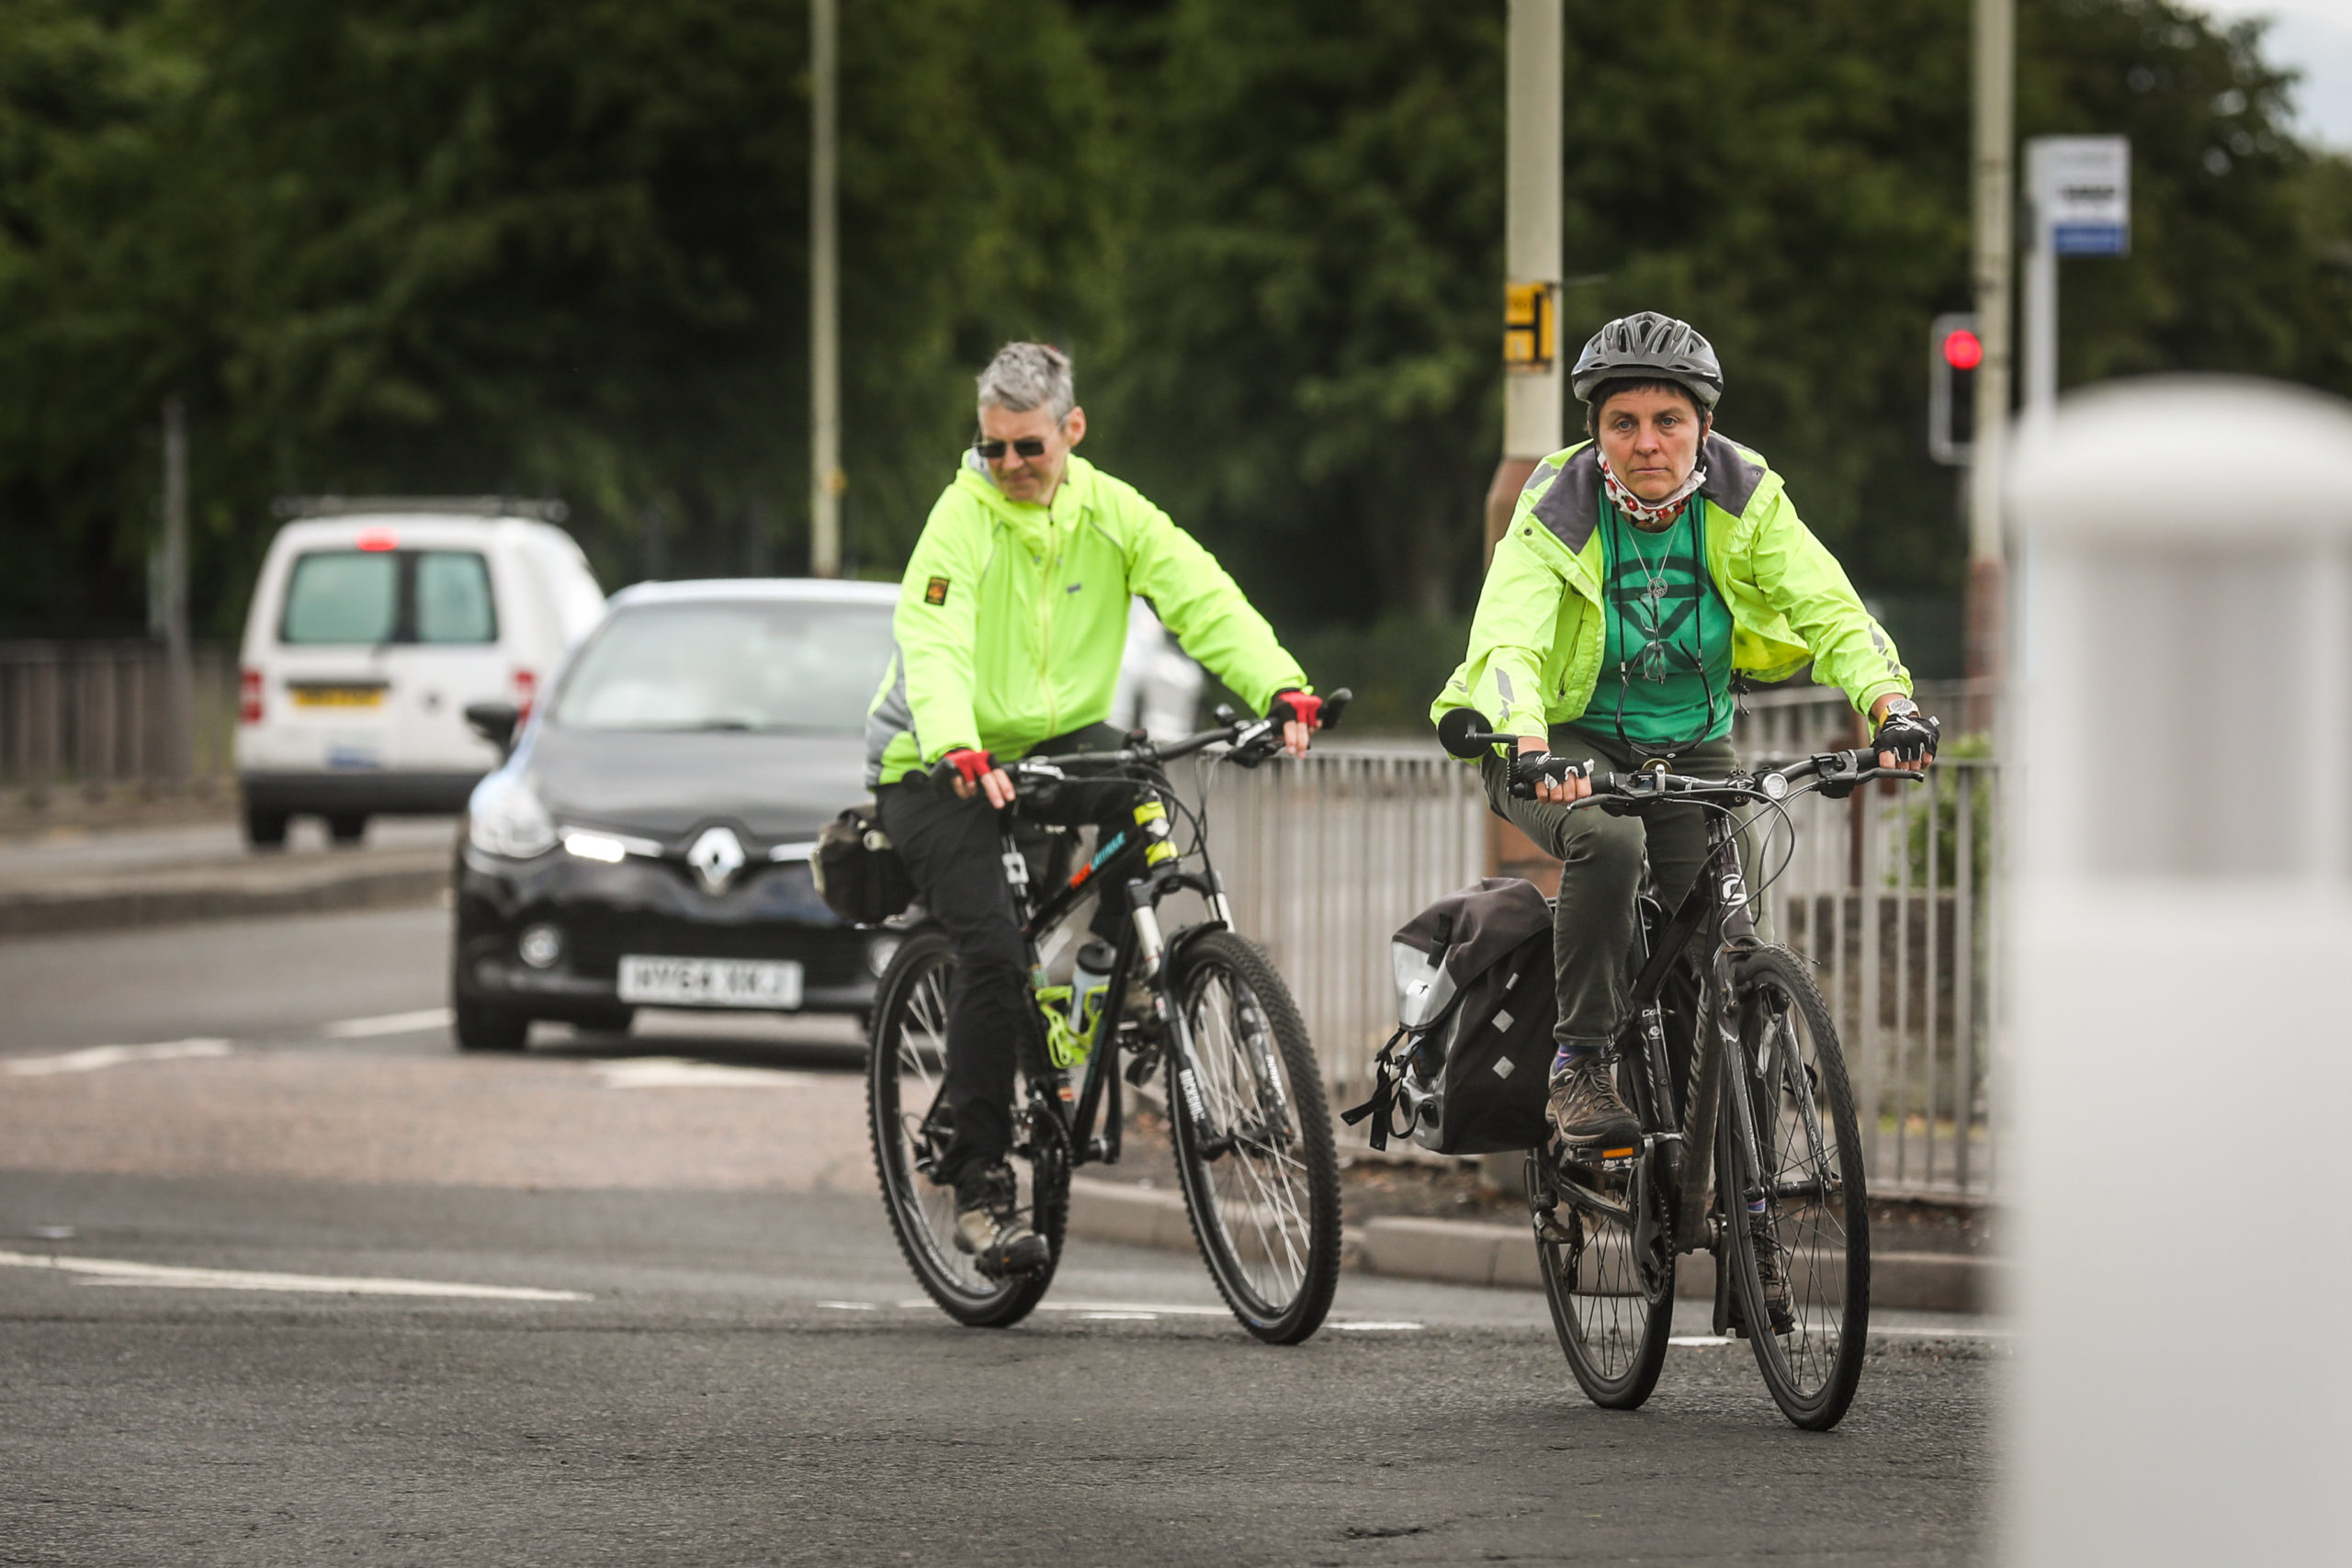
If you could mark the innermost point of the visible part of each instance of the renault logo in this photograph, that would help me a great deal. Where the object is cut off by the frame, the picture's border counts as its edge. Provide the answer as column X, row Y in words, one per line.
column 716, row 856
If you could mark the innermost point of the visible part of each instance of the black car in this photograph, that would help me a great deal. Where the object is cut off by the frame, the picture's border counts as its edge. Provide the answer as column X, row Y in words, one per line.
column 648, row 841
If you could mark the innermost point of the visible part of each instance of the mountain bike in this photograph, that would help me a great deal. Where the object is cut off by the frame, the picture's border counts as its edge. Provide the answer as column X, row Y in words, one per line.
column 1201, row 1006
column 1750, row 1149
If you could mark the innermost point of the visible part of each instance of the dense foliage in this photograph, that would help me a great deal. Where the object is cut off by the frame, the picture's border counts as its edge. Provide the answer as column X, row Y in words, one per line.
column 456, row 246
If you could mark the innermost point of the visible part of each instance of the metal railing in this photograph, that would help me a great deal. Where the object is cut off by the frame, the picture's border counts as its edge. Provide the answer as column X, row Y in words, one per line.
column 96, row 717
column 1889, row 895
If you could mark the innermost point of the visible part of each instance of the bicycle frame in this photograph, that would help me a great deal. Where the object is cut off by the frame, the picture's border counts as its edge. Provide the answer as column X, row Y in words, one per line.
column 1125, row 867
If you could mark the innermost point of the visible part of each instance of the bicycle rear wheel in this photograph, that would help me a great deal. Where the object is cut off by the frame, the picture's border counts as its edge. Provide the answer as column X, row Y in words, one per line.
column 907, row 1113
column 1610, row 1281
column 1253, row 1142
column 1816, row 1216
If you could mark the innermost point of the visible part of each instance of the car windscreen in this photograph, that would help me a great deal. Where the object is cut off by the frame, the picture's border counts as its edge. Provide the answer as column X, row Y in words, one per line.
column 380, row 596
column 776, row 666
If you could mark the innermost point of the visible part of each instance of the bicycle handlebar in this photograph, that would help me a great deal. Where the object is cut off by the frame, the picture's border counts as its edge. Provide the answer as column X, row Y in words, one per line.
column 1838, row 771
column 1259, row 739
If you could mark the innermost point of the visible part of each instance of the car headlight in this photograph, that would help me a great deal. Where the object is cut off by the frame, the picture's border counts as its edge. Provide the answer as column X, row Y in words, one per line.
column 507, row 819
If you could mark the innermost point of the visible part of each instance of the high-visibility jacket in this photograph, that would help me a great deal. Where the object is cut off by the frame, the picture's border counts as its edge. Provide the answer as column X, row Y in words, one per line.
column 1013, row 616
column 1535, row 643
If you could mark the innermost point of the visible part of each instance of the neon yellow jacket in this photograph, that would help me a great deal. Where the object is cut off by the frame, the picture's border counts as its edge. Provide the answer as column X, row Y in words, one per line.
column 1535, row 643
column 1012, row 617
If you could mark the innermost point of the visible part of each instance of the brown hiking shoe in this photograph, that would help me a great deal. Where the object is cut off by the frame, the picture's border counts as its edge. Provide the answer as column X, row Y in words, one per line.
column 1586, row 1112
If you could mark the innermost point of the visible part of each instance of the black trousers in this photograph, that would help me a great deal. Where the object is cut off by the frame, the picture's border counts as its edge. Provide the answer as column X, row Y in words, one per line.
column 953, row 850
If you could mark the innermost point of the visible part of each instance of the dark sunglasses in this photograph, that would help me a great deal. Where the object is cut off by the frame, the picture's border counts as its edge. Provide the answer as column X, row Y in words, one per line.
column 1028, row 447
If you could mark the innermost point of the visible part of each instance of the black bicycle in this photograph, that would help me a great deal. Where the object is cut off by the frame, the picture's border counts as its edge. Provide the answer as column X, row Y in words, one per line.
column 1249, row 1126
column 1750, row 1149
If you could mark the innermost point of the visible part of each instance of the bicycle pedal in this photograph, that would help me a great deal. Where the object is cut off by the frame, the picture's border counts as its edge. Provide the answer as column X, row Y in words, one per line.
column 1596, row 1156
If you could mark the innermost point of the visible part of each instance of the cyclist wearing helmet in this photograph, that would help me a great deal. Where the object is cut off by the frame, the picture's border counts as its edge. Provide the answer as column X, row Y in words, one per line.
column 1642, row 571
column 1010, row 623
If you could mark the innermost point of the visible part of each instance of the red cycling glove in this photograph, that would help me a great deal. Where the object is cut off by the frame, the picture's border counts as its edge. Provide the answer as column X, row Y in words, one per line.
column 972, row 765
column 1293, row 706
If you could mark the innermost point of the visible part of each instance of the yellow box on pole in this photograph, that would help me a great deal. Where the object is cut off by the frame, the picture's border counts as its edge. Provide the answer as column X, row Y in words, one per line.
column 1531, row 327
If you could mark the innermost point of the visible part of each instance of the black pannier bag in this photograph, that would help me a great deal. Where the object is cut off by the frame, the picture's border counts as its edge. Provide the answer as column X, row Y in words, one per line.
column 858, row 872
column 1465, row 1073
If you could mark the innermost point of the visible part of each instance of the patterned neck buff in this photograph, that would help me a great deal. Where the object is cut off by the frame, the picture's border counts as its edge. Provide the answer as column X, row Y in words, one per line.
column 1650, row 514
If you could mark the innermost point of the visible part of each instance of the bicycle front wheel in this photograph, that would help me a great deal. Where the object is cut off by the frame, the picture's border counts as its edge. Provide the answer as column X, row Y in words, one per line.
column 1813, row 1230
column 1253, row 1141
column 907, row 1113
column 1609, row 1278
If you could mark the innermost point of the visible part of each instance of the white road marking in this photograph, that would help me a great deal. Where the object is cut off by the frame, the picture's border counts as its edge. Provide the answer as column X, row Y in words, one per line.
column 91, row 1058
column 676, row 1072
column 389, row 1023
column 1909, row 1332
column 1120, row 1316
column 1155, row 1308
column 1380, row 1327
column 1698, row 1339
column 850, row 1306
column 115, row 1272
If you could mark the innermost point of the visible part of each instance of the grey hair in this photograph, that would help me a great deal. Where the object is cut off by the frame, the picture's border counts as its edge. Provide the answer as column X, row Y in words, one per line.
column 1023, row 375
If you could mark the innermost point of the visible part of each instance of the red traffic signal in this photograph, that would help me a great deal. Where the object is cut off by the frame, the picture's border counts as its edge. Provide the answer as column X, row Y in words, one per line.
column 1963, row 350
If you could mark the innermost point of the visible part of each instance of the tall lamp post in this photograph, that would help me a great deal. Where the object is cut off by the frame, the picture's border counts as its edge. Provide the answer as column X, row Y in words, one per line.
column 825, row 477
column 1996, row 267
column 1533, row 375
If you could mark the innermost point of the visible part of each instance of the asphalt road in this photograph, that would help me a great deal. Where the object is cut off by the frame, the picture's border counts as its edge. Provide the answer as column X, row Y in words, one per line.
column 283, row 1278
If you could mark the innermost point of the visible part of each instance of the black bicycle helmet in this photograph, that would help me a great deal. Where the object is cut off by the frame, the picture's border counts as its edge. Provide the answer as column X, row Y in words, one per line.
column 1652, row 348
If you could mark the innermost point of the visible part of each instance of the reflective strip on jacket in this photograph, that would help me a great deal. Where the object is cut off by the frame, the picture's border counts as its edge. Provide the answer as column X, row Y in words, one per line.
column 1535, row 644
column 1013, row 616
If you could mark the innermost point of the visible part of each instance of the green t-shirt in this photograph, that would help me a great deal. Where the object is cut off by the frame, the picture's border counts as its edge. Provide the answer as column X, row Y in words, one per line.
column 1666, row 651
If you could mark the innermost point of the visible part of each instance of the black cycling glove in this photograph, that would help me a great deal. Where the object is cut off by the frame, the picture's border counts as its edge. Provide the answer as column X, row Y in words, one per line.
column 1527, row 767
column 1910, row 736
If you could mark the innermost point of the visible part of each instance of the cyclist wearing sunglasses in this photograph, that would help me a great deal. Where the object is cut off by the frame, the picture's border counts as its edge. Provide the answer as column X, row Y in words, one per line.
column 1010, row 623
column 1642, row 571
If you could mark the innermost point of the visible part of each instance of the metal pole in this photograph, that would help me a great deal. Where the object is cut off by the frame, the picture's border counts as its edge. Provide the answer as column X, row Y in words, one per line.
column 1995, row 265
column 180, row 686
column 2040, row 292
column 1531, row 370
column 825, row 478
column 1534, row 375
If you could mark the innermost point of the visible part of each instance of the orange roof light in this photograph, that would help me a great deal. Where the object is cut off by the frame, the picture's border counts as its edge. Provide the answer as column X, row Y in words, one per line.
column 378, row 539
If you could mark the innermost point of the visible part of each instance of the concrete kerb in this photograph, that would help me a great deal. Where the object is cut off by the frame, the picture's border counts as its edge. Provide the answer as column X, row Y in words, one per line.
column 287, row 888
column 1464, row 1253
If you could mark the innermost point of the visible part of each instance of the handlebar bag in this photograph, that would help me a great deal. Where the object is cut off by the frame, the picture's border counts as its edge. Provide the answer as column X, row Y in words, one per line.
column 1465, row 1071
column 859, row 872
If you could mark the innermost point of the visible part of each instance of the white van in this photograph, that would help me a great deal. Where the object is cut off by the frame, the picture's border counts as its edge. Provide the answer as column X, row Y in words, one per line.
column 373, row 624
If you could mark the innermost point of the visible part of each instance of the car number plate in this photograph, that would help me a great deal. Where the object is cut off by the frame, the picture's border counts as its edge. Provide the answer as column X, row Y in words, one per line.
column 710, row 982
column 337, row 696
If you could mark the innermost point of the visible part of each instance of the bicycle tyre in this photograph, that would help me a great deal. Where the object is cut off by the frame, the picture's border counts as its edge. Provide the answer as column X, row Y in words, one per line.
column 906, row 1063
column 1262, row 1164
column 1612, row 1318
column 1817, row 1200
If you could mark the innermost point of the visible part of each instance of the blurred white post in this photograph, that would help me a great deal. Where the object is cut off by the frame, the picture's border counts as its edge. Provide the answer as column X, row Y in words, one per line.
column 825, row 480
column 2183, row 1393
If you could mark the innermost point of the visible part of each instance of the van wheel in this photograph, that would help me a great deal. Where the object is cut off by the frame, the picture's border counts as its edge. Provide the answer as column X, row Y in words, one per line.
column 480, row 1027
column 347, row 829
column 264, row 830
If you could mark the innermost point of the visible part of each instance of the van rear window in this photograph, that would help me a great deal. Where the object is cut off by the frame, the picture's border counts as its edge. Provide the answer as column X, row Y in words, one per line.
column 380, row 596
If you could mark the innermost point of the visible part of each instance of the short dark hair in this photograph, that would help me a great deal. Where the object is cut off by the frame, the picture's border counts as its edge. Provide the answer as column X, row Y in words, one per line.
column 1610, row 388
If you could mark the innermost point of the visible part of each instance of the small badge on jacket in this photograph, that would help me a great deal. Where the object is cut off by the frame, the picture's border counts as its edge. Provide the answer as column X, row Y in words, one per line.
column 937, row 592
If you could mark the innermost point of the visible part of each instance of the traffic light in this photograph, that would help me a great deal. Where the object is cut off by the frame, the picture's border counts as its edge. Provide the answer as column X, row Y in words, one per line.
column 1955, row 351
